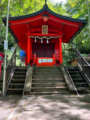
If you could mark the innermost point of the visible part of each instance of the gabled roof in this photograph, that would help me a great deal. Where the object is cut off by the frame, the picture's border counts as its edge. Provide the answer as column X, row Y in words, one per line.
column 68, row 26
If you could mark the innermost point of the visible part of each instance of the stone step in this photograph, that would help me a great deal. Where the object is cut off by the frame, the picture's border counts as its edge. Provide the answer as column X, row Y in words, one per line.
column 21, row 70
column 15, row 89
column 46, row 67
column 47, row 73
column 79, row 83
column 72, row 69
column 1, row 85
column 48, row 76
column 74, row 72
column 18, row 81
column 16, row 84
column 47, row 80
column 19, row 77
column 49, row 84
column 47, row 70
column 76, row 77
column 48, row 89
column 82, row 88
column 78, row 80
column 20, row 73
column 48, row 93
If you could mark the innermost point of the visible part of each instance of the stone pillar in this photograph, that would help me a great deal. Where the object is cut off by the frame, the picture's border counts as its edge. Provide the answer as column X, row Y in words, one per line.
column 29, row 80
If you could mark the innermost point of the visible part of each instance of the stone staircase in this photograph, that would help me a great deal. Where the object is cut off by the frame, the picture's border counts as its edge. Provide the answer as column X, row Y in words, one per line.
column 78, row 79
column 17, row 83
column 48, row 80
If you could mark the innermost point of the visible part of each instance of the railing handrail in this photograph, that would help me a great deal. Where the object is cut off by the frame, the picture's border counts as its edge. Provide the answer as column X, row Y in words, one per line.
column 82, row 57
column 72, row 81
column 82, row 63
column 8, row 82
column 12, row 56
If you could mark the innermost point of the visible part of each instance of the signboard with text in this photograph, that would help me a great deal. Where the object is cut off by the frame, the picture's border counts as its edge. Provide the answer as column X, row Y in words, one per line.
column 45, row 61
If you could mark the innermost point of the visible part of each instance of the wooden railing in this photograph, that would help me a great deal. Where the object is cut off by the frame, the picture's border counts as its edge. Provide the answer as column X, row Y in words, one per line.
column 10, row 69
column 83, row 64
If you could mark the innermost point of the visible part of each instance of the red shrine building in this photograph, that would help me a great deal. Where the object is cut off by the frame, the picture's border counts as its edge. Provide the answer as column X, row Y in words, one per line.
column 41, row 35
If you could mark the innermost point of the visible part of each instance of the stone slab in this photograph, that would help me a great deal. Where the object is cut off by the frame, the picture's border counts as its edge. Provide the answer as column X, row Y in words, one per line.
column 29, row 80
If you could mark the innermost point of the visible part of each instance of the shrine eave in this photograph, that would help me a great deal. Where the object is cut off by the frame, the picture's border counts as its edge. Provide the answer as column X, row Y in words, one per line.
column 80, row 29
column 45, row 8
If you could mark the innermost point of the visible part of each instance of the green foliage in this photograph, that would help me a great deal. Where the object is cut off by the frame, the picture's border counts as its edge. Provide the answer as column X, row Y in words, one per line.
column 78, row 9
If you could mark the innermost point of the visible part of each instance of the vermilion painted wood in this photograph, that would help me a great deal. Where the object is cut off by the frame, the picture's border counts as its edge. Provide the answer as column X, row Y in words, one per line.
column 40, row 30
column 28, row 50
column 57, row 50
column 43, row 49
column 37, row 21
column 40, row 34
column 60, row 49
column 2, row 55
column 1, row 61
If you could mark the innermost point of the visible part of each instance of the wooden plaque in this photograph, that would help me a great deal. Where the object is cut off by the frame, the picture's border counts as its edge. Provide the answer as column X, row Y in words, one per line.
column 44, row 29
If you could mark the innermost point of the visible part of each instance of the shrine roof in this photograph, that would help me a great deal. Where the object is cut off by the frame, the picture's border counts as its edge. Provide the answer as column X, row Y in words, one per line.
column 69, row 27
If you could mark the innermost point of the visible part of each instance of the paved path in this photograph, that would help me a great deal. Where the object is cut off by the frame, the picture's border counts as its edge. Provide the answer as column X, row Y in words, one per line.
column 51, row 107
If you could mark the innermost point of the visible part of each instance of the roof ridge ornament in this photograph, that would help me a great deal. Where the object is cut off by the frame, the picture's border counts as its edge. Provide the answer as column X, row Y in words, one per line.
column 45, row 2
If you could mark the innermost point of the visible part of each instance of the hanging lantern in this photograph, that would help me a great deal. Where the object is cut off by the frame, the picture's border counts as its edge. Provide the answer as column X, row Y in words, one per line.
column 41, row 41
column 35, row 40
column 47, row 41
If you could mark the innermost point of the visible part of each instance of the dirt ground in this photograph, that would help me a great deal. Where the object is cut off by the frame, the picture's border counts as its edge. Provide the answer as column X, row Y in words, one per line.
column 7, row 104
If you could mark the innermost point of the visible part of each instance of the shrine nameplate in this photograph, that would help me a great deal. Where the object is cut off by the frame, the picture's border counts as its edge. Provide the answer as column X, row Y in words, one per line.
column 44, row 29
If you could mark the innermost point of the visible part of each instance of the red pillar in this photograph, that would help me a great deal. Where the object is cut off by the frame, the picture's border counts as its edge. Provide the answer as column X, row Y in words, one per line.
column 28, row 49
column 60, row 50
